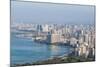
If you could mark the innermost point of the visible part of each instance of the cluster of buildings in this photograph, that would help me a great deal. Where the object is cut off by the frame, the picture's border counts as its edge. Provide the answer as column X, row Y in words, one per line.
column 81, row 37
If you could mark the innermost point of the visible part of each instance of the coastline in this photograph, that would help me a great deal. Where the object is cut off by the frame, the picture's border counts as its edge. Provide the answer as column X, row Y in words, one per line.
column 51, row 58
column 65, row 58
column 58, row 60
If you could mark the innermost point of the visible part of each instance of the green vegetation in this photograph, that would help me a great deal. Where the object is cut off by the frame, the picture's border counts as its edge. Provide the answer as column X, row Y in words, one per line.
column 56, row 60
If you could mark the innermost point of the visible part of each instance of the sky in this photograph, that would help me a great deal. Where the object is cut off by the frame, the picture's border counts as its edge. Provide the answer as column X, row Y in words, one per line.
column 47, row 13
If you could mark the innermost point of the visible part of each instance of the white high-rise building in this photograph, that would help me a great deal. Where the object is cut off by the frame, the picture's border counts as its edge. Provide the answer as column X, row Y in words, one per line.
column 83, row 50
column 86, row 38
column 45, row 28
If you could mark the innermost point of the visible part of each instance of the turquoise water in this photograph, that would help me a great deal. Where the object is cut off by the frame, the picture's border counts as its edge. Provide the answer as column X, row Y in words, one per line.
column 25, row 50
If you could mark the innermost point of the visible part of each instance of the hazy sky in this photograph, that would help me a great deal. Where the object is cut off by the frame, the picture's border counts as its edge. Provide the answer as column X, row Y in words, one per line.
column 41, row 13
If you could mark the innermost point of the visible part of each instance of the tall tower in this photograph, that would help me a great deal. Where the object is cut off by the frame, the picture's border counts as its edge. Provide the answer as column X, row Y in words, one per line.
column 53, row 37
column 39, row 28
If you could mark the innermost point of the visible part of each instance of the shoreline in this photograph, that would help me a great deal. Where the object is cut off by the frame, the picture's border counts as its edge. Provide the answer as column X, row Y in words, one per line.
column 65, row 58
column 51, row 58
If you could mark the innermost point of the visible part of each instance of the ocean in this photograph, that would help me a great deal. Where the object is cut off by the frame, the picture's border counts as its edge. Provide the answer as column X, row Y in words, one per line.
column 24, row 50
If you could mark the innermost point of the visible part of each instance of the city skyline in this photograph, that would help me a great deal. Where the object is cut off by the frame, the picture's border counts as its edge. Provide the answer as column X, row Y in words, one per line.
column 48, row 33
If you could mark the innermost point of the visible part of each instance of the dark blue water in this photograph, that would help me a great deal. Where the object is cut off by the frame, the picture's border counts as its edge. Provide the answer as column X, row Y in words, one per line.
column 25, row 50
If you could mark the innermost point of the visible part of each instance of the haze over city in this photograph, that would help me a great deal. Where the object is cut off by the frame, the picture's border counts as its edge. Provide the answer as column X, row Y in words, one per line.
column 40, row 13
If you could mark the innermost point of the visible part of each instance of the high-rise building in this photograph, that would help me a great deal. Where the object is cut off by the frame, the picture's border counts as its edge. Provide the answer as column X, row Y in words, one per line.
column 86, row 38
column 53, row 37
column 83, row 50
column 39, row 28
column 45, row 28
column 73, row 41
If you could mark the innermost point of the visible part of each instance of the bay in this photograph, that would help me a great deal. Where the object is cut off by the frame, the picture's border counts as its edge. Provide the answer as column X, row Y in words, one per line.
column 25, row 50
